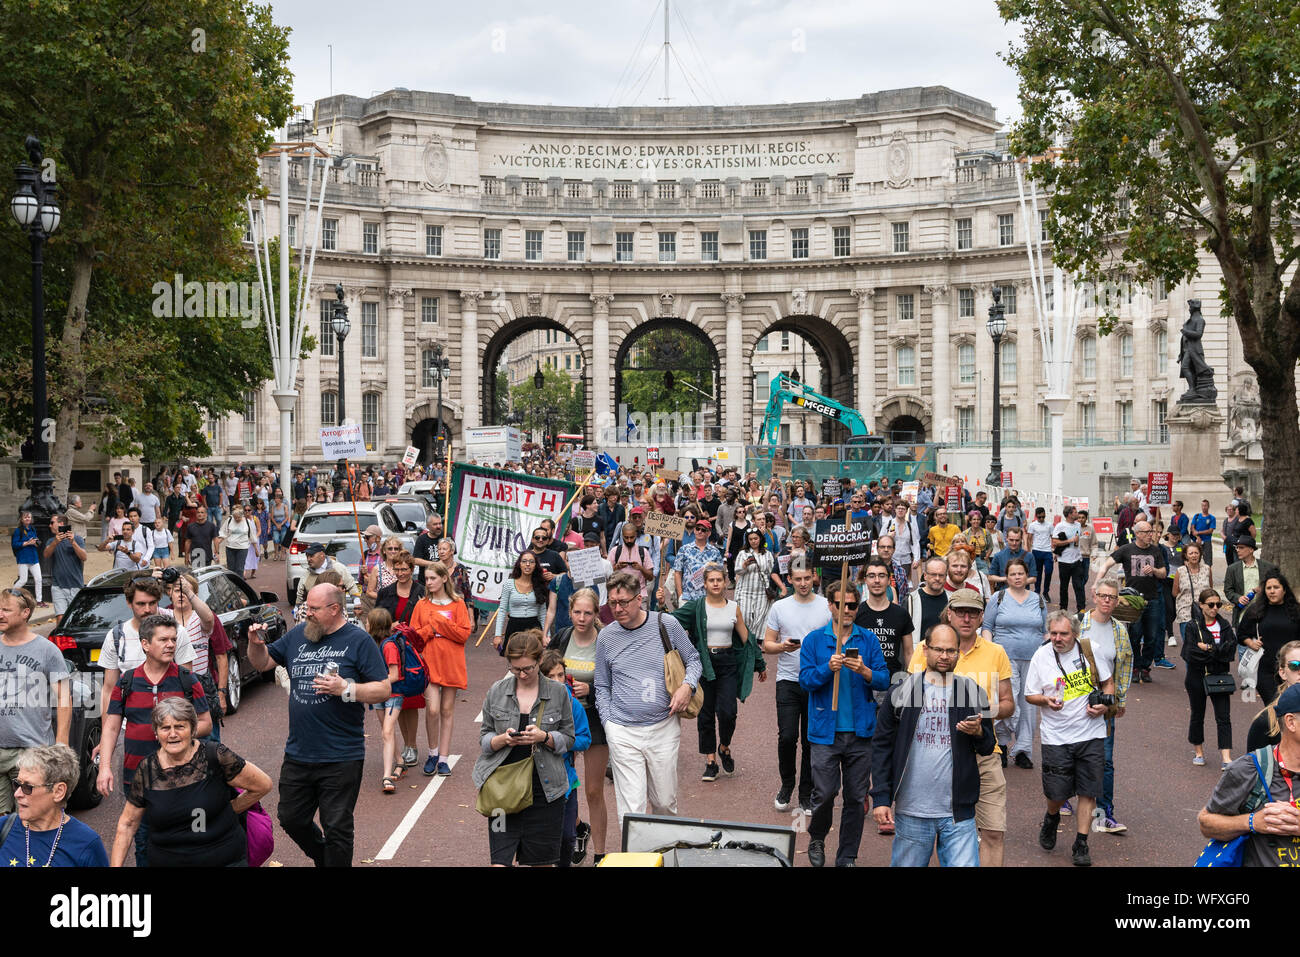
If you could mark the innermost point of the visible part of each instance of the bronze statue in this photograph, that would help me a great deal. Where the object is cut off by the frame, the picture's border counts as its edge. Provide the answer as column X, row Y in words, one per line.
column 1191, row 360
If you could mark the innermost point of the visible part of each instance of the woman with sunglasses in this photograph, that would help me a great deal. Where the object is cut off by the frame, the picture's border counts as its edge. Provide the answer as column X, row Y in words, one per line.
column 1265, row 730
column 531, row 836
column 1209, row 646
column 44, row 834
column 525, row 598
column 1270, row 621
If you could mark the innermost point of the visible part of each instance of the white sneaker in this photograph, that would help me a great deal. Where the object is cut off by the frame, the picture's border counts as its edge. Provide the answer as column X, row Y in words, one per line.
column 1173, row 640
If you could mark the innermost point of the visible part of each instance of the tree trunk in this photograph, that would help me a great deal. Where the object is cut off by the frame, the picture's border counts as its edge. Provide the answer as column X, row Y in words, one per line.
column 1280, row 437
column 72, row 375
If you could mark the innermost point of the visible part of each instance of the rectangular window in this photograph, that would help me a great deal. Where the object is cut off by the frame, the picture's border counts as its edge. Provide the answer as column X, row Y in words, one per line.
column 762, row 345
column 293, row 230
column 668, row 247
column 1125, row 416
column 762, row 389
column 433, row 240
column 1162, row 291
column 758, row 244
column 1049, row 296
column 623, row 244
column 533, row 187
column 906, row 365
column 1161, row 411
column 622, row 191
column 250, row 421
column 1126, row 357
column 577, row 246
column 327, row 327
column 1044, row 424
column 1123, row 210
column 785, row 342
column 965, row 425
column 902, row 237
column 844, row 183
column 1161, row 357
column 711, row 189
column 328, row 405
column 329, row 234
column 801, row 184
column 1009, row 361
column 1088, row 421
column 965, row 303
column 491, row 244
column 370, row 237
column 965, row 234
column 784, row 434
column 843, row 246
column 1042, row 226
column 370, row 420
column 573, row 190
column 1006, row 229
column 250, row 229
column 905, row 304
column 709, row 246
column 1008, row 421
column 428, row 370
column 1009, row 300
column 533, row 245
column 759, row 187
column 965, row 363
column 666, row 190
column 799, row 243
column 1089, row 363
column 370, row 330
column 429, row 309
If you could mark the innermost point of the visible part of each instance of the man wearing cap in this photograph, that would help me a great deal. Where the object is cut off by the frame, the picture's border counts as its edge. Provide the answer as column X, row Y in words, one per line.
column 688, row 568
column 1240, row 804
column 318, row 563
column 1241, row 580
column 646, row 541
column 987, row 664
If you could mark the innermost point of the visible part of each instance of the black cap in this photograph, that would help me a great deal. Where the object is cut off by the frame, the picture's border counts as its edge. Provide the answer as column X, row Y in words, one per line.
column 315, row 548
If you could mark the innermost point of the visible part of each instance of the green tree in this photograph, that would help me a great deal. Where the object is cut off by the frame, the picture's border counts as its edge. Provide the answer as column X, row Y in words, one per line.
column 554, row 400
column 152, row 114
column 1178, row 123
column 502, row 407
column 644, row 382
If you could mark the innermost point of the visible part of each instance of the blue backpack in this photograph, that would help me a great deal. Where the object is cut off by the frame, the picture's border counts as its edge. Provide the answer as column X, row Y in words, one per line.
column 1230, row 853
column 414, row 676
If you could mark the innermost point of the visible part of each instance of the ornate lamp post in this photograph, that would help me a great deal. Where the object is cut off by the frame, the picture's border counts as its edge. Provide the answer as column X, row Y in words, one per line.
column 441, row 370
column 35, row 208
column 341, row 329
column 997, row 325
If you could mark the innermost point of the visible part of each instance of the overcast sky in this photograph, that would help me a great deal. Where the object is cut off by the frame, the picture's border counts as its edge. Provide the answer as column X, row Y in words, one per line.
column 588, row 53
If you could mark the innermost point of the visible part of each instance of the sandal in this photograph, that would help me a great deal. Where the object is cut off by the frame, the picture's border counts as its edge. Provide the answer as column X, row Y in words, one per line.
column 389, row 786
column 398, row 771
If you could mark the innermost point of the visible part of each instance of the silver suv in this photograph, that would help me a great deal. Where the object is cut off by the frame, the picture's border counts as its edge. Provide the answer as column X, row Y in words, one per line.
column 332, row 525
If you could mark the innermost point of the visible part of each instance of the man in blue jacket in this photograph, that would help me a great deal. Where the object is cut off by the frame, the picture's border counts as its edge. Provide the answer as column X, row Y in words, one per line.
column 924, row 764
column 841, row 738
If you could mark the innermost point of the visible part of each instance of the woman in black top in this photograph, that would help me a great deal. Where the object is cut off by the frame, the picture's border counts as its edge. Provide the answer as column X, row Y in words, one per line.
column 1264, row 730
column 1269, row 622
column 184, row 778
column 1208, row 648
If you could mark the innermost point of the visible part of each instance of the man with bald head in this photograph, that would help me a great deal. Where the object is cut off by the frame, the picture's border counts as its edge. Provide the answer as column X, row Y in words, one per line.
column 335, row 670
column 1144, row 567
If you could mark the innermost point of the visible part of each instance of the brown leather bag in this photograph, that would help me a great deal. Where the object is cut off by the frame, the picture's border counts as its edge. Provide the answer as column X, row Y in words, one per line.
column 675, row 673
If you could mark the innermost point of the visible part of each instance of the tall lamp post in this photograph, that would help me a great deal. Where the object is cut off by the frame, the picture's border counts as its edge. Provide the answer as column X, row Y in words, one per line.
column 341, row 329
column 997, row 325
column 35, row 208
column 441, row 370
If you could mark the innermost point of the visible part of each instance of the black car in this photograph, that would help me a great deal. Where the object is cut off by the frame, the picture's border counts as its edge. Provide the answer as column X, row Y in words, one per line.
column 100, row 605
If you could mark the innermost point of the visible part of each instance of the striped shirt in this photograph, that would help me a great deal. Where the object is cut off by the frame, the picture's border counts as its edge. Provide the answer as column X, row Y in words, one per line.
column 630, row 686
column 136, row 708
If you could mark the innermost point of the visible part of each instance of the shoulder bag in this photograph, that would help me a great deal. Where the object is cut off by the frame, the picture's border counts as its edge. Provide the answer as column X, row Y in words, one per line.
column 509, row 788
column 675, row 673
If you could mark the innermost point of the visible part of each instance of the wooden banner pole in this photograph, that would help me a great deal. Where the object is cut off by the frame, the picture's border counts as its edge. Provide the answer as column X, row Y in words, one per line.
column 844, row 578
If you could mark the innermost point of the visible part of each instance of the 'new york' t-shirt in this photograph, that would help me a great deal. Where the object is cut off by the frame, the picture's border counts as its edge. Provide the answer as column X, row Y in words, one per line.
column 926, row 788
column 323, row 728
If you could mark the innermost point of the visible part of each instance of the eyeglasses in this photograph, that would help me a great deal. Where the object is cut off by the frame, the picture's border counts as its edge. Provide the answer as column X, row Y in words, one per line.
column 28, row 788
column 1107, row 597
column 523, row 670
column 945, row 652
column 1213, row 604
column 623, row 602
column 539, row 538
column 964, row 612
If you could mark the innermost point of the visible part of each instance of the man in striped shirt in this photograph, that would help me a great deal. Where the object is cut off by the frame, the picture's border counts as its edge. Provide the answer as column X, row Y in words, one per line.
column 639, row 716
column 134, row 697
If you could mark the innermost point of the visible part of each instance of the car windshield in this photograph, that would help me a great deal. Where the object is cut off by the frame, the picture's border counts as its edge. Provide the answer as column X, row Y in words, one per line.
column 330, row 523
column 100, row 610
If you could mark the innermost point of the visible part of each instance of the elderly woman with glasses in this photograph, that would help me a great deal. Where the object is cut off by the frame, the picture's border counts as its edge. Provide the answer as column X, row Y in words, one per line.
column 529, row 835
column 184, row 783
column 42, row 833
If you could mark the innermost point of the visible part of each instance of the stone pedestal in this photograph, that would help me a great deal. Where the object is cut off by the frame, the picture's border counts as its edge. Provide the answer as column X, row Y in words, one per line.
column 1194, row 457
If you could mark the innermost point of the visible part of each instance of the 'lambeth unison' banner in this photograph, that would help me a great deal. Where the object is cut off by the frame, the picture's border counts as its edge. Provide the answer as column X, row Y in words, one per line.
column 493, row 514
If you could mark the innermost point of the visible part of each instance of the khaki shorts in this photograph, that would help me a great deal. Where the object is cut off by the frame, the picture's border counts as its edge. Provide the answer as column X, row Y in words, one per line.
column 991, row 809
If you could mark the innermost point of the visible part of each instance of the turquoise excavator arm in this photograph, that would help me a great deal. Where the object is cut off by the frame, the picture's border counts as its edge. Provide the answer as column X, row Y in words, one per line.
column 785, row 389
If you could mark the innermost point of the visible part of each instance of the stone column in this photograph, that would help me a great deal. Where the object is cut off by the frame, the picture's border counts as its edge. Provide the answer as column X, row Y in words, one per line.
column 866, row 355
column 395, row 434
column 602, row 414
column 940, row 366
column 734, row 419
column 469, row 370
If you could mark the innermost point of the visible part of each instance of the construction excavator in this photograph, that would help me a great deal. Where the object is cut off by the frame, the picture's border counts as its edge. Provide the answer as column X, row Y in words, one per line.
column 786, row 388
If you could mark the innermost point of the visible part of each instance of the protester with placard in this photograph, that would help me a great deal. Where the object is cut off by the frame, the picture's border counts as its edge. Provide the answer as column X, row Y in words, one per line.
column 688, row 568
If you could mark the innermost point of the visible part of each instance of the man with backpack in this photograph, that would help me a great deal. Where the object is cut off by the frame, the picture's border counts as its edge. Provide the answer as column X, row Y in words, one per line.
column 122, row 651
column 134, row 696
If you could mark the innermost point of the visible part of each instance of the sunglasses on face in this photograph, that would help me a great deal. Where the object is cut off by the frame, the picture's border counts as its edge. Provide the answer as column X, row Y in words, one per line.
column 28, row 788
column 1214, row 604
column 1293, row 665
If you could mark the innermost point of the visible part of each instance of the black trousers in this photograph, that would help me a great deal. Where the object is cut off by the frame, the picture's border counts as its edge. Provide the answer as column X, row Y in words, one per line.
column 719, row 705
column 792, row 735
column 848, row 762
column 1195, row 685
column 332, row 790
column 1072, row 574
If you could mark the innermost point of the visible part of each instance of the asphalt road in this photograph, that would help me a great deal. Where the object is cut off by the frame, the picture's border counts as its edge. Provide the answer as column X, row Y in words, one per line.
column 432, row 821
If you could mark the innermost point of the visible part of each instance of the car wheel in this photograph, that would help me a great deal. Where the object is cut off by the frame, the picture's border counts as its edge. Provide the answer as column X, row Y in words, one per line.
column 234, row 685
column 86, row 794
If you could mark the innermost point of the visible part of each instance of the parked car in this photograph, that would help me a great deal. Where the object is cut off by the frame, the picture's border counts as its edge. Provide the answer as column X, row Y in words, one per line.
column 410, row 508
column 334, row 525
column 100, row 605
column 429, row 491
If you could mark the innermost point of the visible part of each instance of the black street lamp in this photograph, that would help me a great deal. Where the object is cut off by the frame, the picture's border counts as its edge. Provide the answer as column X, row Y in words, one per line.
column 35, row 208
column 441, row 370
column 341, row 329
column 539, row 380
column 997, row 325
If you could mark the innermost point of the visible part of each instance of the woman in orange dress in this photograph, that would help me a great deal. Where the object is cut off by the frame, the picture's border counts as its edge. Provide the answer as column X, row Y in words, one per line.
column 442, row 620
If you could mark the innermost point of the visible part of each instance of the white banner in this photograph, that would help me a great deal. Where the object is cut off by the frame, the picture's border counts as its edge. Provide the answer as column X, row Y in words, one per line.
column 586, row 567
column 342, row 442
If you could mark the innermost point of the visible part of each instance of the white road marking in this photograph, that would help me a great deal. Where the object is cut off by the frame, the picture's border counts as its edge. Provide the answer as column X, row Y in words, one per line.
column 478, row 718
column 389, row 850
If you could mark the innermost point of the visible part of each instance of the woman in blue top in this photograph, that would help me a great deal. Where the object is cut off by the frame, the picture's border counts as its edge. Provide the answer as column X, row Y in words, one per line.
column 42, row 833
column 26, row 544
column 1016, row 618
column 524, row 600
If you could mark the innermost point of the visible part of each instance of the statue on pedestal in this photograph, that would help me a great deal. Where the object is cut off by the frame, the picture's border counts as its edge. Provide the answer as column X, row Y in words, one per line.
column 1191, row 360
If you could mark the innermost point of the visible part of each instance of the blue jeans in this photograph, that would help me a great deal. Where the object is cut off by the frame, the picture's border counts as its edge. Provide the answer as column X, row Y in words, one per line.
column 1147, row 634
column 214, row 512
column 1044, row 561
column 1108, row 774
column 915, row 839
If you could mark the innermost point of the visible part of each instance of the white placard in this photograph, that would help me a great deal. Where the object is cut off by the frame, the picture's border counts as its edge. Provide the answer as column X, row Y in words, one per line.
column 412, row 453
column 342, row 442
column 586, row 566
column 583, row 460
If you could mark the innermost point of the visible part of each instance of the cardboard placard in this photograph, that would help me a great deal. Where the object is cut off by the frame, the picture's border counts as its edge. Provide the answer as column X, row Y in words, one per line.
column 669, row 475
column 412, row 453
column 910, row 491
column 783, row 468
column 342, row 442
column 1160, row 488
column 586, row 567
column 665, row 526
column 836, row 544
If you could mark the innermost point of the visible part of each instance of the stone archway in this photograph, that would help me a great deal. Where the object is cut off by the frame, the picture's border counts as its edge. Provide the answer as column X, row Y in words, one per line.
column 496, row 349
column 679, row 367
column 905, row 415
column 905, row 430
column 424, row 438
column 834, row 357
